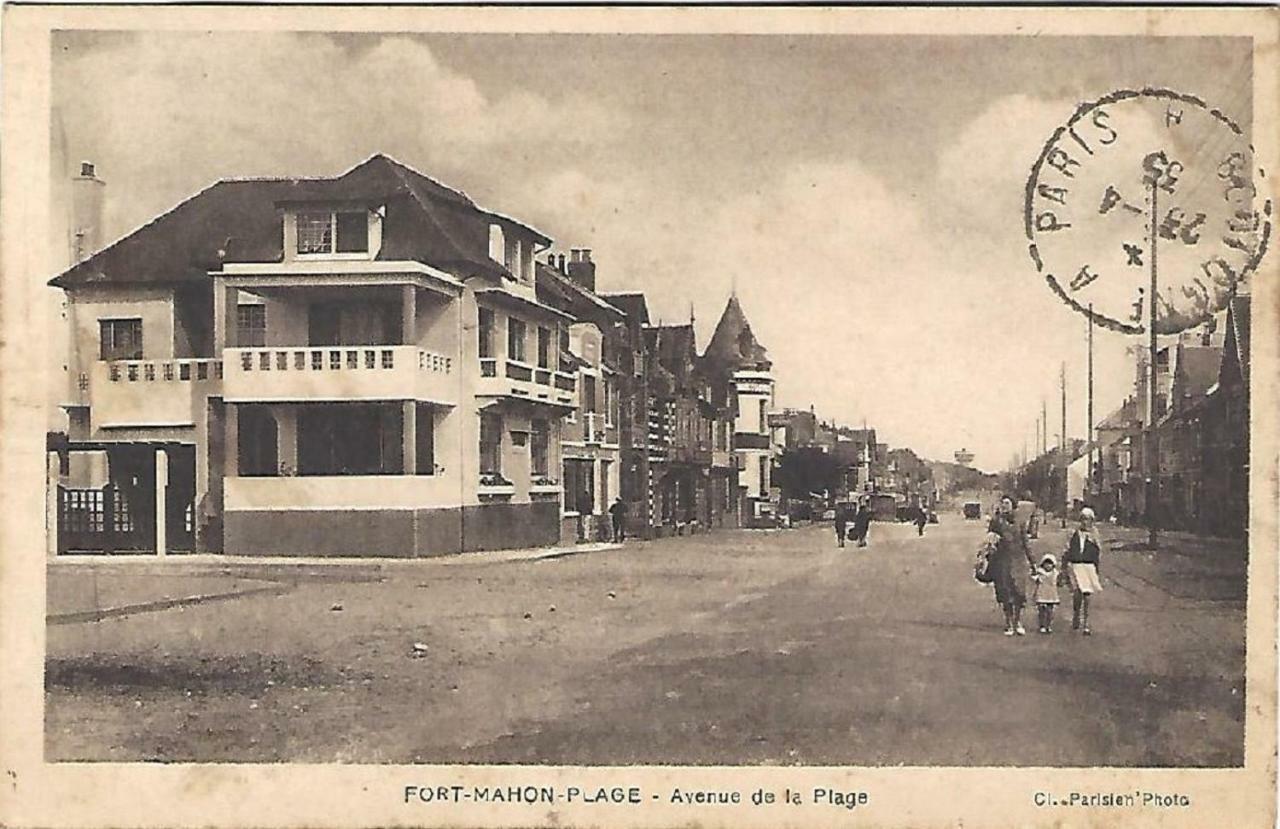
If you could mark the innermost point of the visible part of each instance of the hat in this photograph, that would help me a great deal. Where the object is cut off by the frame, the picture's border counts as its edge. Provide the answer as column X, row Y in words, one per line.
column 1088, row 512
column 1050, row 558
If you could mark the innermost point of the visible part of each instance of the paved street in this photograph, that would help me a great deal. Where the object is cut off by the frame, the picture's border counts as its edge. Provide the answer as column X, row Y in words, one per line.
column 736, row 647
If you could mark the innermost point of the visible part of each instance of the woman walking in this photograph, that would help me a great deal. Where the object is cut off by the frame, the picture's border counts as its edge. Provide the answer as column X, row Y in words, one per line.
column 1081, row 560
column 1006, row 565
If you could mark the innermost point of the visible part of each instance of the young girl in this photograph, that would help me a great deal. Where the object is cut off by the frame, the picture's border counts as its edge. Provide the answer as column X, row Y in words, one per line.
column 1083, row 554
column 1046, row 592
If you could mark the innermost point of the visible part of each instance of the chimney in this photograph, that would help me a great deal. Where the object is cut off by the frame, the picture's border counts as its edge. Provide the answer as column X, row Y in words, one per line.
column 581, row 269
column 86, row 213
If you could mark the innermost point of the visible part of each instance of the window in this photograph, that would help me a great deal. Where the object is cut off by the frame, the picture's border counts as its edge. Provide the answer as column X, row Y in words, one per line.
column 251, row 326
column 764, row 418
column 490, row 444
column 256, row 437
column 351, row 439
column 425, row 437
column 486, row 333
column 610, row 401
column 120, row 339
column 315, row 232
column 497, row 243
column 539, row 448
column 544, row 347
column 764, row 475
column 344, row 231
column 353, row 232
column 515, row 339
column 588, row 393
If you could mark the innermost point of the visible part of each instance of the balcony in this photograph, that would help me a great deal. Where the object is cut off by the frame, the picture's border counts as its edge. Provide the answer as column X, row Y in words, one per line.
column 151, row 393
column 514, row 380
column 750, row 440
column 386, row 372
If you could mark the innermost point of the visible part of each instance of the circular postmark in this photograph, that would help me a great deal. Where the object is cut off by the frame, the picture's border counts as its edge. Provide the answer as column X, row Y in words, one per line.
column 1140, row 176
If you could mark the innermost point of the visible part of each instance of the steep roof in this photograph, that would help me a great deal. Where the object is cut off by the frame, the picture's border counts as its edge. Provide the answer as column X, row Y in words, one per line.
column 237, row 220
column 734, row 345
column 631, row 304
column 577, row 299
column 1123, row 417
column 1196, row 371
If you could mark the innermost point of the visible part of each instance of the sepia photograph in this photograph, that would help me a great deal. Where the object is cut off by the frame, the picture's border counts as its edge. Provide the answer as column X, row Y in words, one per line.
column 518, row 398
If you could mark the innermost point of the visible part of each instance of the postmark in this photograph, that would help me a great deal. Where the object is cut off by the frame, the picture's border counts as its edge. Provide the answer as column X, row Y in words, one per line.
column 1139, row 174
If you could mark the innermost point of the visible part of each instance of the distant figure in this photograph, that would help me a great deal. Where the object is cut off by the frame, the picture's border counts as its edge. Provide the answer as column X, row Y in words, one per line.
column 922, row 518
column 1026, row 513
column 618, row 512
column 1032, row 510
column 1046, row 591
column 1081, row 565
column 862, row 524
column 841, row 522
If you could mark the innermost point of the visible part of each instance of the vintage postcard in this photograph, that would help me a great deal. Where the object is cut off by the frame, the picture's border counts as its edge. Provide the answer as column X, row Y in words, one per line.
column 646, row 417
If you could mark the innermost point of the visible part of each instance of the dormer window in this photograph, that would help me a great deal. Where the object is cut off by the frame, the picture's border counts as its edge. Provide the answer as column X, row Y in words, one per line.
column 333, row 231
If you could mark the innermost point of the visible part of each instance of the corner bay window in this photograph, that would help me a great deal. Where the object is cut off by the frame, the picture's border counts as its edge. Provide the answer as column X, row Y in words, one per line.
column 343, row 231
column 490, row 444
column 120, row 339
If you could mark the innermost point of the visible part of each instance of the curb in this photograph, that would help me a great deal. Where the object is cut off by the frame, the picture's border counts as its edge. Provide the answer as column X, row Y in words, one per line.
column 162, row 604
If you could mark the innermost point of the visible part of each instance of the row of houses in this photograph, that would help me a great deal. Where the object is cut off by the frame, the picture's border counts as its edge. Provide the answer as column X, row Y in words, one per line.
column 1201, row 436
column 863, row 466
column 373, row 364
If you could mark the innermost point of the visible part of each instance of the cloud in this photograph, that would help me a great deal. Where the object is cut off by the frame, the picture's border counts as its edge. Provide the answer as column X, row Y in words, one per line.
column 291, row 104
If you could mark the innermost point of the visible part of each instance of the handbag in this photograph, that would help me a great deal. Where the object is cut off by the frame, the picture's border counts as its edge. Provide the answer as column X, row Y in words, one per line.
column 983, row 572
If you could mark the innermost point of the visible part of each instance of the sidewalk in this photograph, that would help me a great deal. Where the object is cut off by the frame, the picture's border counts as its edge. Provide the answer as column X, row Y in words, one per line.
column 91, row 588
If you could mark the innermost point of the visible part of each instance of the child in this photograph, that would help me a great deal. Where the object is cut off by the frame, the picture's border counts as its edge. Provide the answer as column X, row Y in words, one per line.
column 1046, row 592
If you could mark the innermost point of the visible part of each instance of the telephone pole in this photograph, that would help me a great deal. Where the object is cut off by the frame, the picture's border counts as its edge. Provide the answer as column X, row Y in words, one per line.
column 1063, row 453
column 1152, row 447
column 1090, row 477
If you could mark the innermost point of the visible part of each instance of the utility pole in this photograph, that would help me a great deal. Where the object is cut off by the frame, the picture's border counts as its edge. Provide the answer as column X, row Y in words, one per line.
column 1044, row 427
column 1090, row 477
column 1152, row 443
column 1062, row 445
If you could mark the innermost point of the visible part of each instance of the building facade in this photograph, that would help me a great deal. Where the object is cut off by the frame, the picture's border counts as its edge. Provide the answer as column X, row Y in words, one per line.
column 357, row 365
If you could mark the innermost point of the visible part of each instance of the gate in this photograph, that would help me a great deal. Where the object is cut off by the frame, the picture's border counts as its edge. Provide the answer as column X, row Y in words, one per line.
column 101, row 521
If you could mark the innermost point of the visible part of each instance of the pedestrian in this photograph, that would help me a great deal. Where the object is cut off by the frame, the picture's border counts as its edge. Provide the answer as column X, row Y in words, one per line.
column 1046, row 591
column 841, row 522
column 1081, row 565
column 1029, row 512
column 618, row 512
column 1006, row 563
column 862, row 524
column 921, row 520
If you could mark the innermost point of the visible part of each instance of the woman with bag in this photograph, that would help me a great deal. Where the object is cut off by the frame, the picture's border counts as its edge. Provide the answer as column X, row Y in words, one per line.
column 1081, row 569
column 1005, row 563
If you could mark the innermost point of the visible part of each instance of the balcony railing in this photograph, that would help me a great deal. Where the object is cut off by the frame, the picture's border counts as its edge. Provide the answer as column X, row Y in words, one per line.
column 124, row 393
column 516, row 379
column 391, row 372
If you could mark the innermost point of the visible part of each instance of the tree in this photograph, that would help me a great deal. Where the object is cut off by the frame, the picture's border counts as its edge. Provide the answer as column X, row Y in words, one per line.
column 807, row 469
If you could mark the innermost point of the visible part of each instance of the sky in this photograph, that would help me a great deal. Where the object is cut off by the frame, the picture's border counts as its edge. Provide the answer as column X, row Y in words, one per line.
column 863, row 195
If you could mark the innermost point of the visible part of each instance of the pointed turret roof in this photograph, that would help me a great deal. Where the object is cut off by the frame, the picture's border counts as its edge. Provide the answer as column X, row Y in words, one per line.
column 734, row 345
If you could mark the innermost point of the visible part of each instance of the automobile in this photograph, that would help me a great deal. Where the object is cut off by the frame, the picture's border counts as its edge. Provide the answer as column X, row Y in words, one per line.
column 972, row 510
